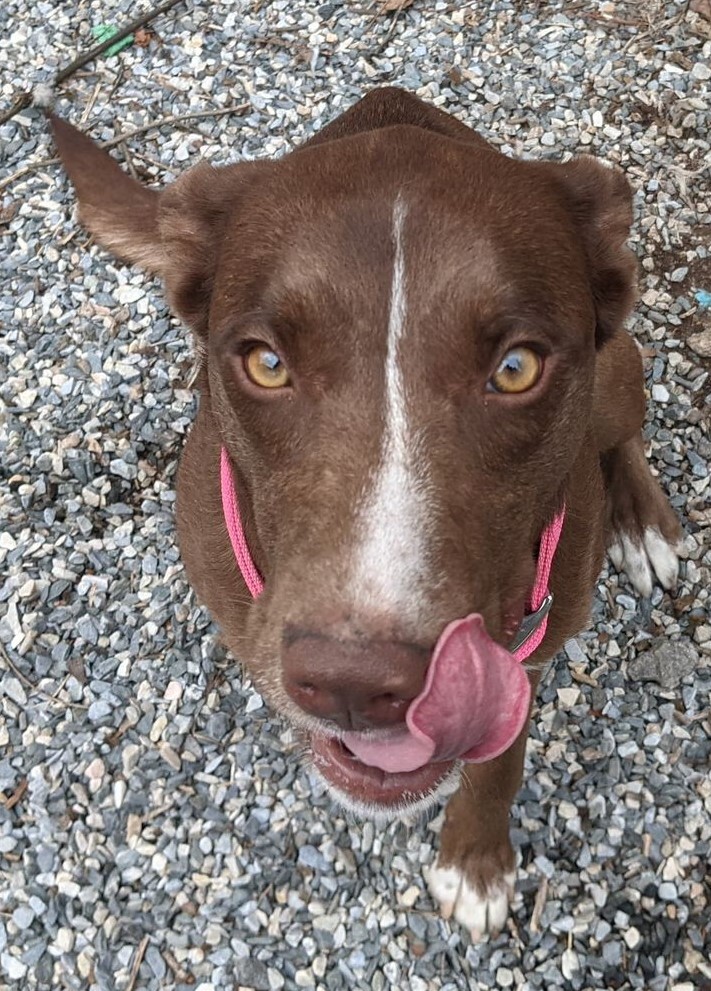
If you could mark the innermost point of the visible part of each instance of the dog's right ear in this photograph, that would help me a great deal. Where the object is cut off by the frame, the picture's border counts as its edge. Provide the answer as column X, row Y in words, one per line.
column 173, row 233
column 120, row 212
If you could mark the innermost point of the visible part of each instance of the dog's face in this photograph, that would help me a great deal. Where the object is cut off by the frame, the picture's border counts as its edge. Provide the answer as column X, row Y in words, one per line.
column 398, row 335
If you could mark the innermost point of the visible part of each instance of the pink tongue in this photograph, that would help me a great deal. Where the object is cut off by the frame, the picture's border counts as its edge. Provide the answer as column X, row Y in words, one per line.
column 473, row 706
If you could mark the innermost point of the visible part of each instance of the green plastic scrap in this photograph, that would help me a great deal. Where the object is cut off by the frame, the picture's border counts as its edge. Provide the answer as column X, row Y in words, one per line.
column 102, row 32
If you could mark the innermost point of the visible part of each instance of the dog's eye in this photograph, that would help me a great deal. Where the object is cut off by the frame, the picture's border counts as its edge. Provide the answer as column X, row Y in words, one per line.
column 265, row 368
column 518, row 371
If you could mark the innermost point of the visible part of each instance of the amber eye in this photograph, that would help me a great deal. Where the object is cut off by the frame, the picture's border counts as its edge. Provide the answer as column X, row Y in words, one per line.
column 265, row 368
column 518, row 371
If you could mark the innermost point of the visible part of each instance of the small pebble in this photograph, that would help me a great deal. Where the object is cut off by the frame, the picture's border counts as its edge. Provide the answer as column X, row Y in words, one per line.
column 660, row 394
column 632, row 937
column 96, row 769
column 14, row 968
column 23, row 917
column 13, row 688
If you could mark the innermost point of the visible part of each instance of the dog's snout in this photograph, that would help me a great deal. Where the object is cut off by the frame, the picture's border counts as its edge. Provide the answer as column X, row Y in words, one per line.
column 356, row 684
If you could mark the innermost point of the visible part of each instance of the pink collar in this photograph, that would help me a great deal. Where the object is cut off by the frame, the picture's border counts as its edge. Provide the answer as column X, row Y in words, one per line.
column 533, row 626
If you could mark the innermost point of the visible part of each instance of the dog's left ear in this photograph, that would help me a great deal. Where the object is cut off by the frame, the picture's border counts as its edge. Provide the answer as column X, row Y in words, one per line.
column 600, row 199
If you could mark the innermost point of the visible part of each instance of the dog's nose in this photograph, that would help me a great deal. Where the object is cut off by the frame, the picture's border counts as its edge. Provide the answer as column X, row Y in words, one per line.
column 357, row 684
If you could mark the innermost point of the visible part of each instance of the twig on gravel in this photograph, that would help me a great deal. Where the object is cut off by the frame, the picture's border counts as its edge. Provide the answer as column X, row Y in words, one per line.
column 123, row 32
column 123, row 147
column 90, row 105
column 175, row 119
column 16, row 671
column 540, row 904
column 623, row 22
column 180, row 975
column 161, row 166
column 35, row 688
column 26, row 170
column 120, row 138
column 137, row 963
column 11, row 802
column 25, row 99
column 393, row 22
column 118, row 81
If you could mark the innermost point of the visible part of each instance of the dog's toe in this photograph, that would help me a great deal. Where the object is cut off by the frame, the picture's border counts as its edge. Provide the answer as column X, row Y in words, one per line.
column 630, row 556
column 483, row 913
column 646, row 557
column 663, row 556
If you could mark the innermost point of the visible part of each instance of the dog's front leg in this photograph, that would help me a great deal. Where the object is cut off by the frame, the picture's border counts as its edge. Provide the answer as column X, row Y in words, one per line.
column 473, row 877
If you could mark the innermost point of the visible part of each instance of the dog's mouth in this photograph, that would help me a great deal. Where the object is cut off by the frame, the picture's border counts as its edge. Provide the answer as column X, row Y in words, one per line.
column 365, row 785
column 472, row 706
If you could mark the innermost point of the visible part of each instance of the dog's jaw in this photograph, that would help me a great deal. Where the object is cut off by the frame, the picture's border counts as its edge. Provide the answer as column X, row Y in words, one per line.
column 410, row 809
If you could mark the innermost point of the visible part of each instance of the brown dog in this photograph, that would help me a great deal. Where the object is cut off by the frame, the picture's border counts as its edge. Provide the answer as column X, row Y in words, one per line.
column 411, row 362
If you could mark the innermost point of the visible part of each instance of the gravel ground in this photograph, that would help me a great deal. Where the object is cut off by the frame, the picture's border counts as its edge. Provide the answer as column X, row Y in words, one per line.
column 156, row 830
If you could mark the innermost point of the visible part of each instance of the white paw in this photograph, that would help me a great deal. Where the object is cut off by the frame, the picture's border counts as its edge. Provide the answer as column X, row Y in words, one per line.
column 482, row 915
column 653, row 555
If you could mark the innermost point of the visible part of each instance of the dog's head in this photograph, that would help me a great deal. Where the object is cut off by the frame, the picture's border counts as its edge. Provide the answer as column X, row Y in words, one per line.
column 397, row 326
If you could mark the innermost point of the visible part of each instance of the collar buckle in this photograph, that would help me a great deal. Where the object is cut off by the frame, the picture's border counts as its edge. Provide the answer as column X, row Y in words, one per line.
column 530, row 623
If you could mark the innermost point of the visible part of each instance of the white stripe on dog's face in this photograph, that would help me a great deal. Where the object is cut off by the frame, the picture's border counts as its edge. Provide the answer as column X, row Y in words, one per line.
column 390, row 557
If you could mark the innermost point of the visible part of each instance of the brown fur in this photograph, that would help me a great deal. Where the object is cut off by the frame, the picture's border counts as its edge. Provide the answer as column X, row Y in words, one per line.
column 298, row 253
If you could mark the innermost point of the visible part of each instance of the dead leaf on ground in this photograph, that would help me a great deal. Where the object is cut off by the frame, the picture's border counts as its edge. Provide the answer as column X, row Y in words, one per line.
column 702, row 7
column 8, row 212
column 142, row 37
column 394, row 6
column 76, row 668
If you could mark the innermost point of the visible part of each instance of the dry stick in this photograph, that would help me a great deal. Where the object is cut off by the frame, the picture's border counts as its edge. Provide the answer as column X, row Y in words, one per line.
column 174, row 119
column 11, row 802
column 123, row 148
column 180, row 974
column 623, row 22
column 26, row 170
column 16, row 671
column 35, row 688
column 160, row 166
column 90, row 105
column 540, row 904
column 25, row 99
column 137, row 963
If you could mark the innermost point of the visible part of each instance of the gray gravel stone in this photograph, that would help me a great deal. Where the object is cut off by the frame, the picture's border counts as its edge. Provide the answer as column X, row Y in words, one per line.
column 252, row 973
column 14, row 969
column 23, row 917
column 667, row 662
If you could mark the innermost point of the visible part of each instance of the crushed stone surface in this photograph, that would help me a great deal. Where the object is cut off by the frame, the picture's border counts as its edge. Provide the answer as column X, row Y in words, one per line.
column 157, row 830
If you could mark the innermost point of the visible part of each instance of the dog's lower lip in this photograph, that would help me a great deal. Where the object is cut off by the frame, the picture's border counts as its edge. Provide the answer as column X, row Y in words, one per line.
column 369, row 784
